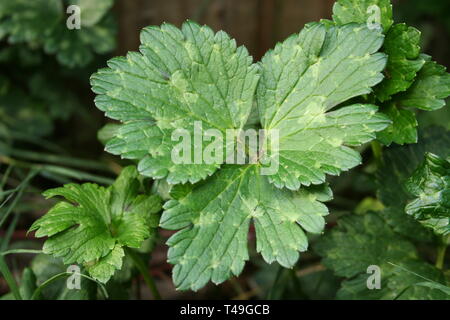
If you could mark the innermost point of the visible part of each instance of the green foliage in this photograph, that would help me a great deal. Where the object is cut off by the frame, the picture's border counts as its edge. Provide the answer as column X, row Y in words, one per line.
column 347, row 11
column 180, row 76
column 402, row 46
column 95, row 224
column 34, row 109
column 399, row 164
column 430, row 185
column 313, row 140
column 412, row 80
column 192, row 74
column 390, row 238
column 327, row 91
column 42, row 24
column 361, row 241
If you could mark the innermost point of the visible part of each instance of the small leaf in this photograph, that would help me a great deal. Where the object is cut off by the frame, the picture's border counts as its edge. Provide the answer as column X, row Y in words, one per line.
column 429, row 90
column 94, row 223
column 403, row 128
column 402, row 47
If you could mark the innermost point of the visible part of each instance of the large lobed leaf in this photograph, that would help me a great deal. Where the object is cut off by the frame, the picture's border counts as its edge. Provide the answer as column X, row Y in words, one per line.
column 192, row 74
column 177, row 78
column 215, row 217
column 303, row 80
column 95, row 224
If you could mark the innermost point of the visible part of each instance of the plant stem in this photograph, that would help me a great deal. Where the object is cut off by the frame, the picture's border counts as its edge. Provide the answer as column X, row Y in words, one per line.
column 140, row 265
column 441, row 253
column 20, row 192
column 9, row 279
column 377, row 150
column 62, row 171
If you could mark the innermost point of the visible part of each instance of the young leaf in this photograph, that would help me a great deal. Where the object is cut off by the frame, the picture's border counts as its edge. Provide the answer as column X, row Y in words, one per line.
column 179, row 77
column 402, row 47
column 429, row 90
column 304, row 78
column 215, row 217
column 430, row 185
column 95, row 223
column 403, row 128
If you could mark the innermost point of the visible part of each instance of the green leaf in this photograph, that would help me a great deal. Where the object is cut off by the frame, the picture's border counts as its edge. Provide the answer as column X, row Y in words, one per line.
column 362, row 11
column 29, row 21
column 45, row 267
column 178, row 77
column 304, row 78
column 43, row 23
column 215, row 218
column 362, row 241
column 402, row 47
column 406, row 226
column 107, row 132
column 399, row 283
column 430, row 185
column 429, row 90
column 403, row 128
column 77, row 47
column 94, row 223
column 27, row 284
column 399, row 163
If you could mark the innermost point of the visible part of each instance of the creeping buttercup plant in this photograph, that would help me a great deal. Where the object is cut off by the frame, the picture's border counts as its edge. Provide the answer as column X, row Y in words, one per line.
column 326, row 91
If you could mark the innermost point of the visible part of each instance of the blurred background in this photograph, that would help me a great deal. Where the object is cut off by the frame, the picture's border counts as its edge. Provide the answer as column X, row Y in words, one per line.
column 48, row 121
